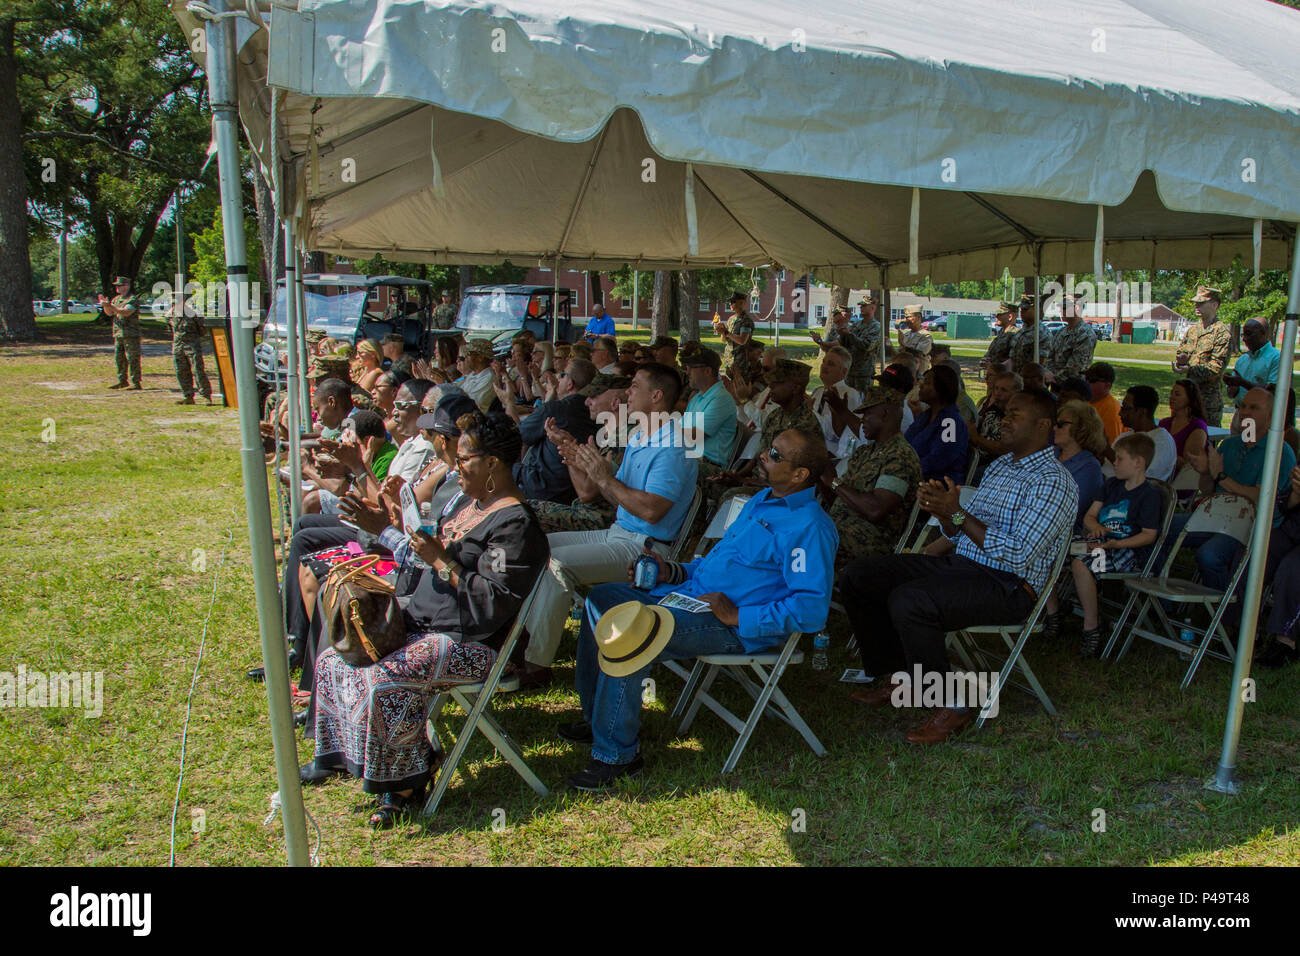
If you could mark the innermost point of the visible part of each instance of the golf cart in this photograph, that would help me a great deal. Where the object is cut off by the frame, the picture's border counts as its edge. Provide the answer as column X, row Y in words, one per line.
column 339, row 305
column 498, row 312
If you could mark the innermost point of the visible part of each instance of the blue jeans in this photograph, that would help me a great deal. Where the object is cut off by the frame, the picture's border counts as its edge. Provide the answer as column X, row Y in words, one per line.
column 612, row 705
column 1215, row 553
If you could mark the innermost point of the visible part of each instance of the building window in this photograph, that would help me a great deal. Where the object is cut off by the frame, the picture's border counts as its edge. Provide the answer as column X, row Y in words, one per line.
column 781, row 277
column 627, row 302
column 780, row 305
column 755, row 305
column 819, row 311
column 373, row 295
column 704, row 305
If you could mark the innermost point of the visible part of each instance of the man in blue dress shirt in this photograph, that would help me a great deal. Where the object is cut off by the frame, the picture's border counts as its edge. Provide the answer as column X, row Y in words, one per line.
column 769, row 575
column 652, row 488
column 599, row 324
column 903, row 606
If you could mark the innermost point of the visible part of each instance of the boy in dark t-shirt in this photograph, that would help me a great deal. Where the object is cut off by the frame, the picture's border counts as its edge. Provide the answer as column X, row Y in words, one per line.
column 1121, row 528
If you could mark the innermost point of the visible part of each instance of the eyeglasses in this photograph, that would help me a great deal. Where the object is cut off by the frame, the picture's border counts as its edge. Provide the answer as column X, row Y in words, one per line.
column 1063, row 423
column 461, row 459
column 774, row 454
column 405, row 406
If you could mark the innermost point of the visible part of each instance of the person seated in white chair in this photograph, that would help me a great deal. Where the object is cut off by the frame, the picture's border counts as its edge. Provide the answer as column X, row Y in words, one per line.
column 769, row 575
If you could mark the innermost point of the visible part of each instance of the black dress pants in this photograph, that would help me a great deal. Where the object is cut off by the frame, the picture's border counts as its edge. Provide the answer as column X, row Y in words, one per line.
column 902, row 607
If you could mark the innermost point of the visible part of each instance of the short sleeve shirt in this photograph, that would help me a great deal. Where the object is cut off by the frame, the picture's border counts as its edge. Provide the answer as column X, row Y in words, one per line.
column 658, row 464
column 1126, row 512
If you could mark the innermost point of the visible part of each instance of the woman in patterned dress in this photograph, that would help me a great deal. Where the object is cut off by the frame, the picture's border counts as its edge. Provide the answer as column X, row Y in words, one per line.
column 484, row 560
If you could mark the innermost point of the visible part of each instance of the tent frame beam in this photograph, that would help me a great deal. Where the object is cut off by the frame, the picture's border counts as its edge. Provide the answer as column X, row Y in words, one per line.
column 985, row 204
column 813, row 217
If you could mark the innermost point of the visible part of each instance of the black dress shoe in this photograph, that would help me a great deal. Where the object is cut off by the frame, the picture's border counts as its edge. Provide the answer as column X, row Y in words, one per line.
column 599, row 775
column 579, row 732
column 257, row 674
column 310, row 773
column 300, row 719
column 1277, row 655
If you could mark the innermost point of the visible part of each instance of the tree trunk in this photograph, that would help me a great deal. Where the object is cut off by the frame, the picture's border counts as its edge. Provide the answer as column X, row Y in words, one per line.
column 839, row 297
column 315, row 262
column 466, row 280
column 271, row 266
column 688, row 306
column 17, row 320
column 597, row 293
column 661, row 305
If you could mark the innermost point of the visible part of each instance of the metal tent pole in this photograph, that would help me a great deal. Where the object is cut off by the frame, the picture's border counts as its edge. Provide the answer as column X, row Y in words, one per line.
column 225, row 112
column 290, row 319
column 300, row 293
column 1225, row 776
column 883, row 309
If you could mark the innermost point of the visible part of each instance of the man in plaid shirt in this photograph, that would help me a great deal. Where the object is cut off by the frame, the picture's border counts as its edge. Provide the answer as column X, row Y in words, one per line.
column 902, row 606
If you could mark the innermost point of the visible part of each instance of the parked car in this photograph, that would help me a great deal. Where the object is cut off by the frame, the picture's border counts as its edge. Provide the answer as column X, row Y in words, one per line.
column 45, row 307
column 937, row 324
column 1102, row 330
column 1051, row 328
column 82, row 308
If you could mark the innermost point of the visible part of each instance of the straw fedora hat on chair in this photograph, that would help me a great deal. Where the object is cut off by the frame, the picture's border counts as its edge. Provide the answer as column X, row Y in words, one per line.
column 630, row 635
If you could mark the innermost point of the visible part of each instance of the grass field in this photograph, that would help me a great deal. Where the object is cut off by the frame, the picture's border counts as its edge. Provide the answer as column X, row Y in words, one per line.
column 119, row 533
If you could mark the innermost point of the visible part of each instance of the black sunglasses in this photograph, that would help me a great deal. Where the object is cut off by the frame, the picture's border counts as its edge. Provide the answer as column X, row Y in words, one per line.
column 774, row 453
column 406, row 406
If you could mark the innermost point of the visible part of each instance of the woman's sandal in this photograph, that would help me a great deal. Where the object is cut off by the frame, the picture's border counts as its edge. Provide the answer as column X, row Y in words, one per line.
column 393, row 807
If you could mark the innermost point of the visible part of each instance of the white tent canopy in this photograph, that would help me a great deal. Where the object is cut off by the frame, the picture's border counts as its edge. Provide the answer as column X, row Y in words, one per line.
column 465, row 132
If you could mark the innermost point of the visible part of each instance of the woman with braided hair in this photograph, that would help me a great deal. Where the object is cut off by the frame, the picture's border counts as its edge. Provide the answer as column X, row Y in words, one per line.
column 486, row 554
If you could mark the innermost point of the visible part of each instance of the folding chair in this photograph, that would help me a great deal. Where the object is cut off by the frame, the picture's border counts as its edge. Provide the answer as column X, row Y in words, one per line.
column 1168, row 502
column 475, row 700
column 743, row 435
column 1218, row 514
column 767, row 696
column 924, row 536
column 966, row 644
column 1187, row 479
column 972, row 466
column 684, row 533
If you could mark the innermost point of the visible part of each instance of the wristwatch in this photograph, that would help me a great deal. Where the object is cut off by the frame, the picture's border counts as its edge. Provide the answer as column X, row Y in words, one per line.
column 836, row 482
column 1220, row 476
column 957, row 517
column 445, row 573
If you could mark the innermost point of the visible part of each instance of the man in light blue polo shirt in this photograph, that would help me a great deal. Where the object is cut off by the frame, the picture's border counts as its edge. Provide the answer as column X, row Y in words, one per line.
column 599, row 324
column 652, row 489
column 1257, row 366
column 711, row 412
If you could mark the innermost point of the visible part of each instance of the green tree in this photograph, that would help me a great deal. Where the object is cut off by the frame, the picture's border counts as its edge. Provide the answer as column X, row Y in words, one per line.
column 210, row 255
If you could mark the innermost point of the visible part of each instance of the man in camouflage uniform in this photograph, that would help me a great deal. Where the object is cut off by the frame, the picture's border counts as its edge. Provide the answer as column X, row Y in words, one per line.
column 1022, row 346
column 735, row 334
column 444, row 316
column 872, row 500
column 915, row 340
column 788, row 382
column 999, row 350
column 861, row 339
column 604, row 394
column 1072, row 346
column 187, row 351
column 124, row 310
column 1203, row 354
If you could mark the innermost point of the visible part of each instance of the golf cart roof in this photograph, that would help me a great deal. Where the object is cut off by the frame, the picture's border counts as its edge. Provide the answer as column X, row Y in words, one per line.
column 516, row 290
column 353, row 280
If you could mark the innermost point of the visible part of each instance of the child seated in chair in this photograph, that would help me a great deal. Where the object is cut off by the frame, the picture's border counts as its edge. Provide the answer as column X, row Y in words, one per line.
column 1120, row 529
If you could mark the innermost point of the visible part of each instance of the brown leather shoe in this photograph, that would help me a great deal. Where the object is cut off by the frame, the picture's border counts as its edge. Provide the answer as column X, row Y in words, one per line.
column 943, row 723
column 880, row 695
column 186, row 401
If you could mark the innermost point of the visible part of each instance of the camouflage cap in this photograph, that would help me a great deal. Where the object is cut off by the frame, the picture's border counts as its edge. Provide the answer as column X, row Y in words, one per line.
column 787, row 370
column 1004, row 307
column 1027, row 301
column 702, row 356
column 122, row 280
column 479, row 347
column 316, row 335
column 603, row 383
column 915, row 309
column 879, row 395
column 333, row 366
column 663, row 342
column 1205, row 293
column 868, row 299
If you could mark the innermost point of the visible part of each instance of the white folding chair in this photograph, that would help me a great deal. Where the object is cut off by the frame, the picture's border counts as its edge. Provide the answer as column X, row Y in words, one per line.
column 767, row 696
column 684, row 533
column 743, row 434
column 975, row 657
column 475, row 700
column 931, row 527
column 1187, row 479
column 1218, row 514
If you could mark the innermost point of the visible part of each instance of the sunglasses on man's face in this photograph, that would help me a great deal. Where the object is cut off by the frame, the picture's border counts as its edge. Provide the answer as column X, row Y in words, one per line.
column 774, row 454
column 405, row 406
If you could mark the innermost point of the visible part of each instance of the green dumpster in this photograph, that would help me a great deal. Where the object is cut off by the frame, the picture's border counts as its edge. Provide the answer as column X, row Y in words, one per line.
column 1144, row 333
column 967, row 325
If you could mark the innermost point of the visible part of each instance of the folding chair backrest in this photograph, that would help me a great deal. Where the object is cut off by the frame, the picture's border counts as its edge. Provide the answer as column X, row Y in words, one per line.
column 1168, row 505
column 720, row 523
column 1187, row 479
column 908, row 528
column 742, row 439
column 972, row 466
column 684, row 532
column 1218, row 514
column 928, row 528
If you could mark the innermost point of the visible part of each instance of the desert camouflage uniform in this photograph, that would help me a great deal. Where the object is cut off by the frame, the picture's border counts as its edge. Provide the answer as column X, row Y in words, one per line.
column 596, row 516
column 892, row 466
column 1207, row 353
column 1071, row 351
column 444, row 316
column 126, row 338
column 802, row 419
column 187, row 351
column 1022, row 348
column 999, row 349
column 862, row 339
column 919, row 342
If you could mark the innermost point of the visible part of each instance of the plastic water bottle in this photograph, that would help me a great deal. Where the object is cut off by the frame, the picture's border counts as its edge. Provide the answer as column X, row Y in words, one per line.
column 1188, row 637
column 428, row 527
column 820, row 660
